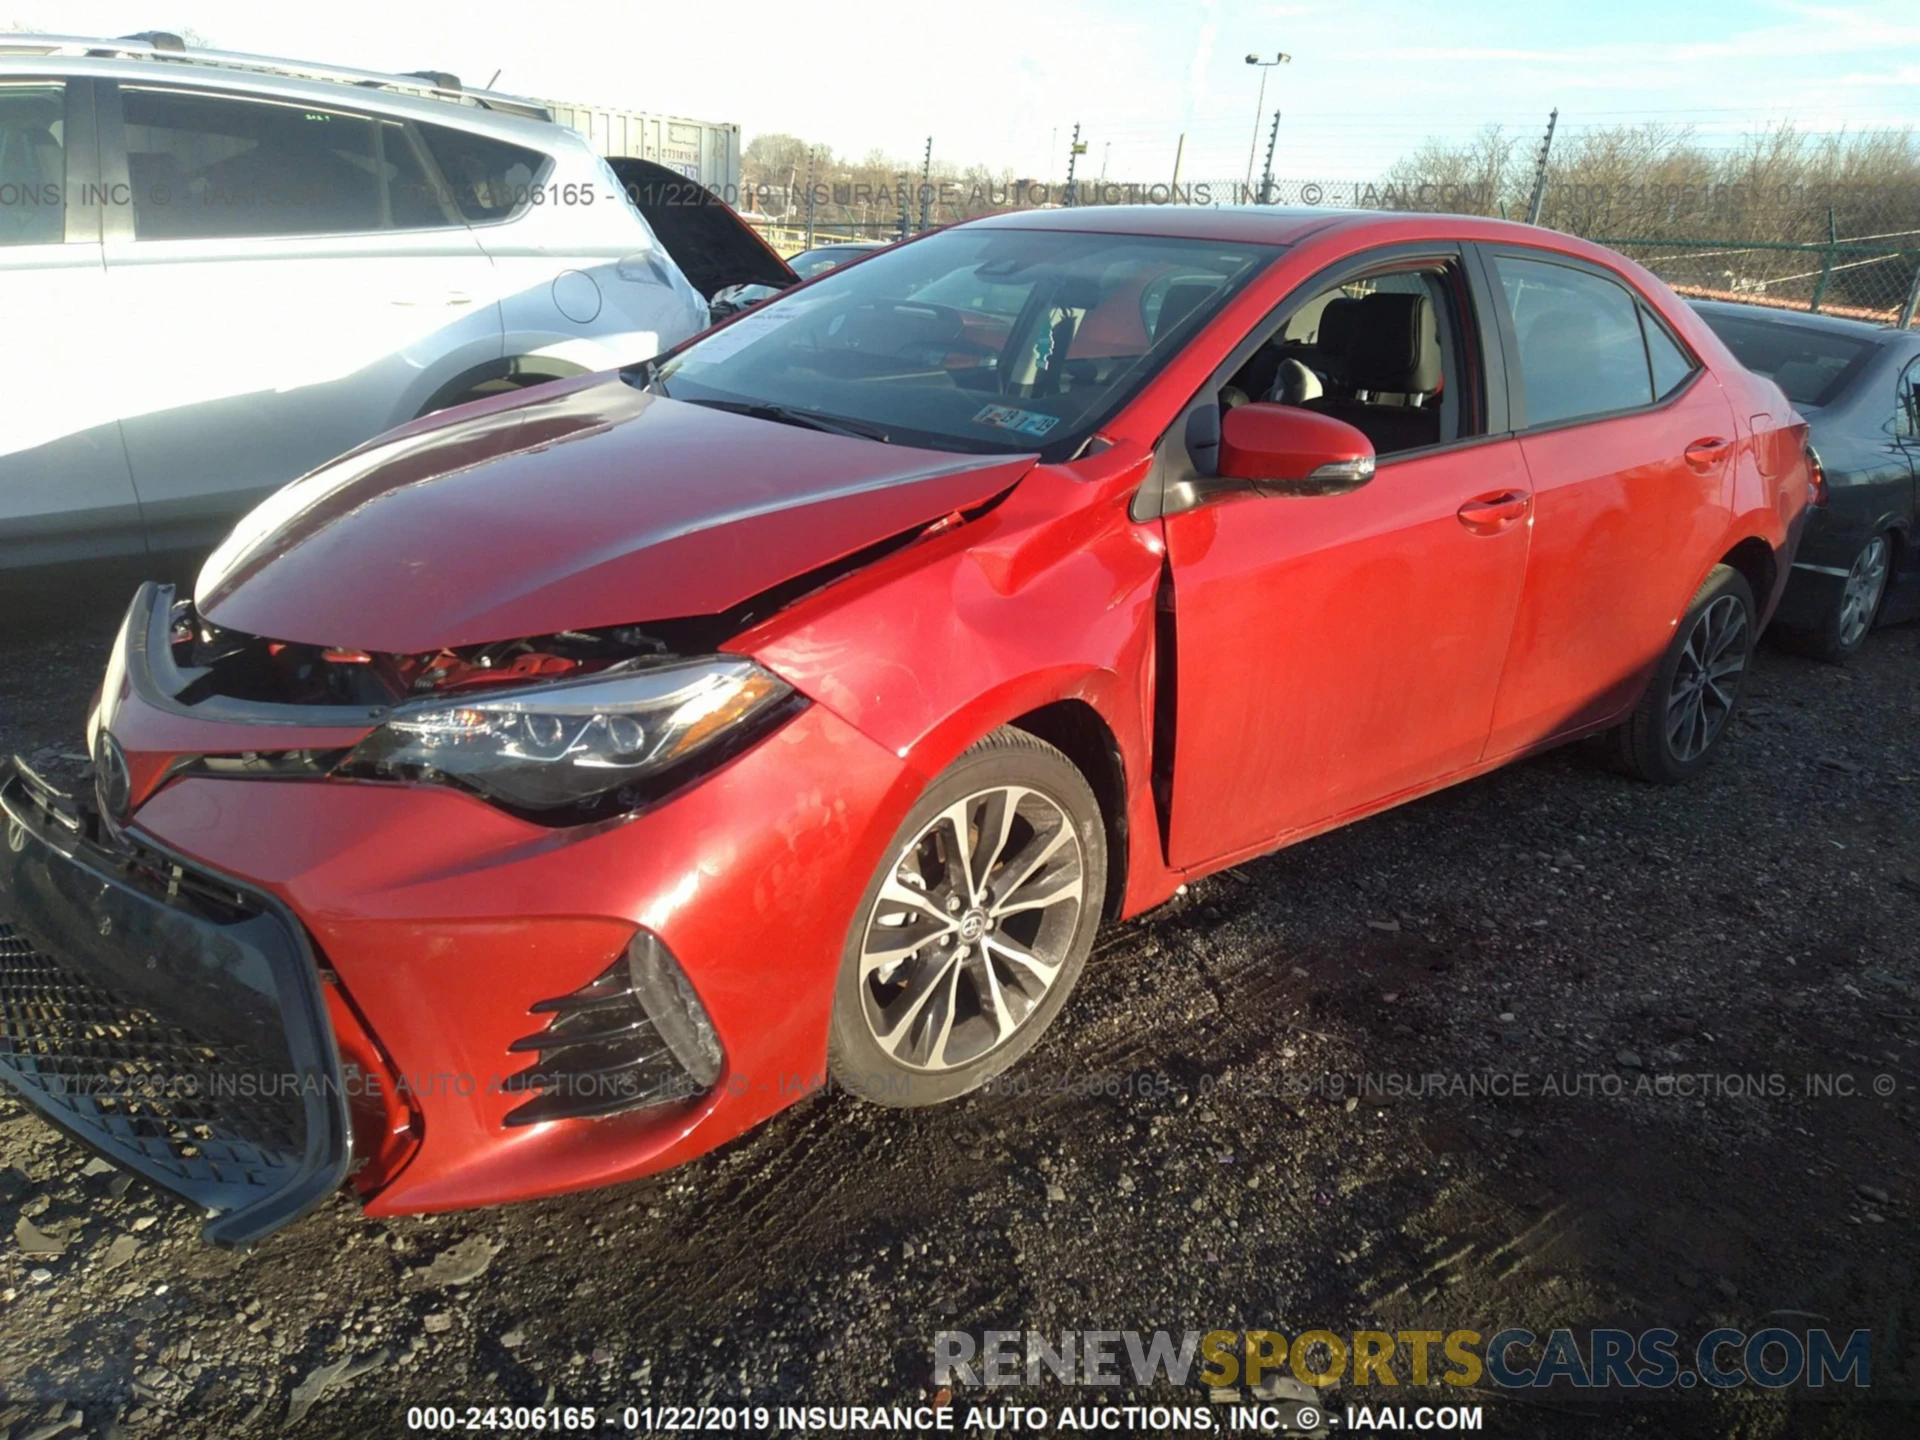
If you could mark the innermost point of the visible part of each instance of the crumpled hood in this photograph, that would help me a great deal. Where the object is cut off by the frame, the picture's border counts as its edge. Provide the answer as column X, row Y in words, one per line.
column 585, row 503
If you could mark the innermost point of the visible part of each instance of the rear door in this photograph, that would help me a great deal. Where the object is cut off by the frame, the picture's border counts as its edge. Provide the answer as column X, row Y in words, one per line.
column 1332, row 653
column 1629, row 443
column 286, row 280
column 65, row 490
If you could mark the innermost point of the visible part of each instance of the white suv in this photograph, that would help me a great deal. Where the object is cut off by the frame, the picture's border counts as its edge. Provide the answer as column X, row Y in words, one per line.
column 217, row 272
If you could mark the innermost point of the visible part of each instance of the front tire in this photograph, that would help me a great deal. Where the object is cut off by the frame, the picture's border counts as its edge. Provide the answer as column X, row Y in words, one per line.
column 971, row 936
column 1692, row 697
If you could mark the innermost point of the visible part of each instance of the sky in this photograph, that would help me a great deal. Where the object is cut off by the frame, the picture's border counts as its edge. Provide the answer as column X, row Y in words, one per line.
column 1003, row 82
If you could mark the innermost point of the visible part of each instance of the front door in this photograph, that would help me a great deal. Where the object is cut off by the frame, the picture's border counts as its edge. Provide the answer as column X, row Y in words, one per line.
column 1331, row 653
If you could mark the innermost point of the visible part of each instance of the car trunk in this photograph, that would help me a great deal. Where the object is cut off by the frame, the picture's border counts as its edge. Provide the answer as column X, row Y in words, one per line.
column 711, row 244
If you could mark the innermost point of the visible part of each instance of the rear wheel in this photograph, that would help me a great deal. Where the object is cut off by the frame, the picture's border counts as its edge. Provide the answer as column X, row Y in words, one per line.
column 1693, row 695
column 1845, row 627
column 971, row 937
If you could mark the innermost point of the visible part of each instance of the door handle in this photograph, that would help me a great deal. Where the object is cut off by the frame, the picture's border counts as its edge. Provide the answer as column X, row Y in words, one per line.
column 1490, row 514
column 1703, row 455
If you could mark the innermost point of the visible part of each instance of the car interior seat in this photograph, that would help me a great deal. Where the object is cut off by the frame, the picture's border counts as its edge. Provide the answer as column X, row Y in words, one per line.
column 1180, row 301
column 1392, row 365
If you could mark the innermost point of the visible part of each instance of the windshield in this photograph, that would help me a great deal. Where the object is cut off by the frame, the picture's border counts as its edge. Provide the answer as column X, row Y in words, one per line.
column 1812, row 366
column 981, row 340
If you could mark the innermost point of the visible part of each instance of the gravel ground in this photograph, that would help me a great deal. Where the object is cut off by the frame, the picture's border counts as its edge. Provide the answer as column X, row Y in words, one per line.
column 1185, row 1151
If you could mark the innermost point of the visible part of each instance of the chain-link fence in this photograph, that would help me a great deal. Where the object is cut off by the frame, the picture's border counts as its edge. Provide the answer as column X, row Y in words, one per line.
column 1862, row 277
column 1846, row 248
column 1849, row 250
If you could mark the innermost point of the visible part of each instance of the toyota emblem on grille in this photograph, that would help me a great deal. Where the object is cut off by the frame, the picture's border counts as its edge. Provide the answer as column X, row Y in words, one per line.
column 112, row 782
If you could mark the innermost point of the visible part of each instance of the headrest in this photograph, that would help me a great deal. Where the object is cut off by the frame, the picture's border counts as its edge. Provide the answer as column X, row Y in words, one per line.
column 1295, row 384
column 1337, row 320
column 1075, row 292
column 1394, row 347
column 1180, row 301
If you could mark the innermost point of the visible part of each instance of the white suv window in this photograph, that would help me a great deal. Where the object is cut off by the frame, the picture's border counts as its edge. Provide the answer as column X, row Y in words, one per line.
column 208, row 167
column 489, row 179
column 32, row 163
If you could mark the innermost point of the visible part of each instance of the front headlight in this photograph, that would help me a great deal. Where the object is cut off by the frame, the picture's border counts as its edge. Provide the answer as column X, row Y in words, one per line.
column 576, row 748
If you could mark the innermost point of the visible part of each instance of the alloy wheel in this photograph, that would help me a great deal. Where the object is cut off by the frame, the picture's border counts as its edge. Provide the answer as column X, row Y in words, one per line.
column 1707, row 679
column 971, row 927
column 1860, row 599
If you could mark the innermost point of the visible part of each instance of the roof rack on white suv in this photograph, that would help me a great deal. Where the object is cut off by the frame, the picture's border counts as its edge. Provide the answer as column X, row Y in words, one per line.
column 162, row 47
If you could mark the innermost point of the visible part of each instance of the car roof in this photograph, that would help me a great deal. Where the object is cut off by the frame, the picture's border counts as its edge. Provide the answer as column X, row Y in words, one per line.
column 1804, row 319
column 1287, row 225
column 415, row 96
column 1269, row 224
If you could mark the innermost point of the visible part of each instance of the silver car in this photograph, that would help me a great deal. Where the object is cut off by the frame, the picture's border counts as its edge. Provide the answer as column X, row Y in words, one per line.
column 219, row 271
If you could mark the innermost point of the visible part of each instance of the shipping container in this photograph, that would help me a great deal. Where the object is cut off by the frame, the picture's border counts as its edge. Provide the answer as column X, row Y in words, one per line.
column 703, row 150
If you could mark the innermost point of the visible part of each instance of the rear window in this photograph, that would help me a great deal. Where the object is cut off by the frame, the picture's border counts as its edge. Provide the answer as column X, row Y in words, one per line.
column 1812, row 366
column 488, row 179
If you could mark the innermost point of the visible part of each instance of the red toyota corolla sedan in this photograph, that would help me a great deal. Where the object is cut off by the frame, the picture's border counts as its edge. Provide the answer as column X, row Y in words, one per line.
column 550, row 790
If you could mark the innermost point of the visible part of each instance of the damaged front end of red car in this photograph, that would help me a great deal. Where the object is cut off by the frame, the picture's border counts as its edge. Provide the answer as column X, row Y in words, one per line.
column 391, row 876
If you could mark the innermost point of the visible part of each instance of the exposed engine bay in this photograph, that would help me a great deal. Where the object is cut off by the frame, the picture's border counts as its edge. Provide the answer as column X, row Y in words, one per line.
column 252, row 668
column 247, row 667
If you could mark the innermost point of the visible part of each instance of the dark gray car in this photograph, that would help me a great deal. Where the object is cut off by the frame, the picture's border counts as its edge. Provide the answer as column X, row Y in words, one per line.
column 1858, row 385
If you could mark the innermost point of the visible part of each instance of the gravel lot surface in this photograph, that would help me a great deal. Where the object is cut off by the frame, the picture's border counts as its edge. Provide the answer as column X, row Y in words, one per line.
column 1187, row 1150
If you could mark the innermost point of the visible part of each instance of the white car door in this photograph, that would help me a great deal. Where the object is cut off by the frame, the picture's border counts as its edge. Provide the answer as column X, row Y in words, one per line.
column 286, row 283
column 65, row 491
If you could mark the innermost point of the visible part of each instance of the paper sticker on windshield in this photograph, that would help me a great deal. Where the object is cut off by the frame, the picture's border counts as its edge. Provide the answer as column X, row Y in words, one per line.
column 1024, row 422
column 725, row 343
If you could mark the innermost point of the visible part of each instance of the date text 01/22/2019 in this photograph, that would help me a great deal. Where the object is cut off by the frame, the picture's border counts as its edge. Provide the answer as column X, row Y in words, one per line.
column 923, row 1419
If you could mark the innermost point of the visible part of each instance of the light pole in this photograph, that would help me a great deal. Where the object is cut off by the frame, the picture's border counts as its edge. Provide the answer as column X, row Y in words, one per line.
column 1259, row 108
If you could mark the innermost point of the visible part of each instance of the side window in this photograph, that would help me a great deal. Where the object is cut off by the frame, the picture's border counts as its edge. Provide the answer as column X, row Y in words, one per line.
column 489, row 179
column 1383, row 353
column 33, row 163
column 211, row 167
column 1906, row 417
column 414, row 202
column 1581, row 349
column 1667, row 361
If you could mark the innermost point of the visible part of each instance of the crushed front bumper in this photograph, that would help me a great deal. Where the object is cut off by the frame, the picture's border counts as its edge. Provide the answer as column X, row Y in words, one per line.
column 168, row 1017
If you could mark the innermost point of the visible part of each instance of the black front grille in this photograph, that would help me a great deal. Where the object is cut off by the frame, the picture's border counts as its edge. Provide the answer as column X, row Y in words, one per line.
column 600, row 1054
column 203, row 1111
column 170, row 1017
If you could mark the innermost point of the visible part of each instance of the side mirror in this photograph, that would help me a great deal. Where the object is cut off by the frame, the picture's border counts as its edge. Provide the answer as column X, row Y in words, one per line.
column 1284, row 450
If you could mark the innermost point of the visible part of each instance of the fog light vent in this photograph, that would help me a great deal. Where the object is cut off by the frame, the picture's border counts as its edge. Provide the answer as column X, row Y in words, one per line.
column 634, row 1036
